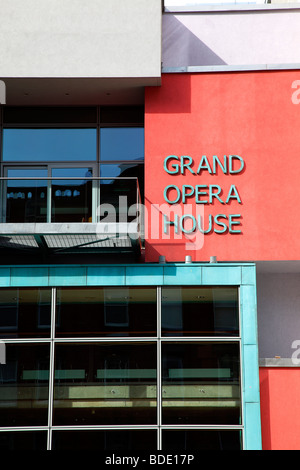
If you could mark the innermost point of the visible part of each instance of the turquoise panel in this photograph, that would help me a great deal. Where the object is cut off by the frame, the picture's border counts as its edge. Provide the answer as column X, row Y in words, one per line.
column 221, row 275
column 182, row 275
column 106, row 276
column 250, row 373
column 67, row 276
column 144, row 275
column 252, row 434
column 249, row 275
column 29, row 276
column 4, row 277
column 249, row 317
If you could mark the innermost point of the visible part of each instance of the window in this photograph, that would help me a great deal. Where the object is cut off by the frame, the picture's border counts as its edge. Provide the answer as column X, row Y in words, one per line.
column 43, row 145
column 46, row 145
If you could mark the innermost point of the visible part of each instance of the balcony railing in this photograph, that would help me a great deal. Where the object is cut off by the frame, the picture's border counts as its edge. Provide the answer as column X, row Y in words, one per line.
column 46, row 206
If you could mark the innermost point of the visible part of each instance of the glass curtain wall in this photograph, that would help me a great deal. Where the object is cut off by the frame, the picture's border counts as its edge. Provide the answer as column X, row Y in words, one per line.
column 121, row 368
column 58, row 143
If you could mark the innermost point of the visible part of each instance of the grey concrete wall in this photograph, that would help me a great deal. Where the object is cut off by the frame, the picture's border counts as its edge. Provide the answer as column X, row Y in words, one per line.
column 278, row 311
column 77, row 38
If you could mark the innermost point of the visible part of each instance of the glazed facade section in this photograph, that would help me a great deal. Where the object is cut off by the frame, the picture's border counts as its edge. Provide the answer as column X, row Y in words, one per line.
column 109, row 365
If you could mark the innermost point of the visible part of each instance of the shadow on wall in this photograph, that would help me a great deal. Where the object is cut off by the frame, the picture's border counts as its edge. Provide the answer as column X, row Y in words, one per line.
column 181, row 48
column 265, row 409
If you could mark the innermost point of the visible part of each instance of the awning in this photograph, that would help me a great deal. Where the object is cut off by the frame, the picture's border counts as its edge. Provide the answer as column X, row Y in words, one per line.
column 55, row 238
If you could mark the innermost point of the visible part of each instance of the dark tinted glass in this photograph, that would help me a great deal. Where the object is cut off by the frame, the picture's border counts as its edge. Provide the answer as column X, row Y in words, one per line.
column 200, row 311
column 25, row 313
column 201, row 383
column 108, row 384
column 49, row 115
column 105, row 440
column 198, row 440
column 71, row 199
column 29, row 440
column 123, row 170
column 122, row 114
column 107, row 311
column 26, row 200
column 24, row 385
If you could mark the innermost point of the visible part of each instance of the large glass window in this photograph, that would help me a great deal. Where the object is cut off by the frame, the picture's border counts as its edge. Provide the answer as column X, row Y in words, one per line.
column 46, row 145
column 26, row 200
column 106, row 143
column 201, row 440
column 109, row 311
column 122, row 144
column 24, row 389
column 119, row 368
column 71, row 199
column 23, row 440
column 25, row 313
column 201, row 383
column 108, row 384
column 190, row 311
column 109, row 440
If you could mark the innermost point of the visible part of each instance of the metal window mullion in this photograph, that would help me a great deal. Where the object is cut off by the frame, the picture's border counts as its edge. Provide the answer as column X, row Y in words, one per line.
column 49, row 196
column 51, row 369
column 159, row 371
column 241, row 334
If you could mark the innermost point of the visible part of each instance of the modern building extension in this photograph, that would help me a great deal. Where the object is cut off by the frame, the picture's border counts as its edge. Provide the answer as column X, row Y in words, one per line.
column 149, row 249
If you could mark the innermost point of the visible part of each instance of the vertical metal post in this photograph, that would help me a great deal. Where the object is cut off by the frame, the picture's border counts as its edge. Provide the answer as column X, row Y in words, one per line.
column 51, row 369
column 159, row 369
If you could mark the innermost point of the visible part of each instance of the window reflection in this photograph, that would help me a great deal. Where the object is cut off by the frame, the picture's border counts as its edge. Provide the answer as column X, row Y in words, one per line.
column 25, row 313
column 113, row 383
column 123, row 170
column 122, row 143
column 191, row 311
column 43, row 145
column 72, row 199
column 115, row 311
column 201, row 383
column 26, row 200
column 24, row 381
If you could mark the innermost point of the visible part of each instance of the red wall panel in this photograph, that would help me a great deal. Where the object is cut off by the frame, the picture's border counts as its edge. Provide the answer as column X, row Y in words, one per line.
column 280, row 408
column 251, row 115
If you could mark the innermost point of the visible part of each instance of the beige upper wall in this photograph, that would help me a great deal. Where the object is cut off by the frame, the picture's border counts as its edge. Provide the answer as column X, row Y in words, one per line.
column 76, row 38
